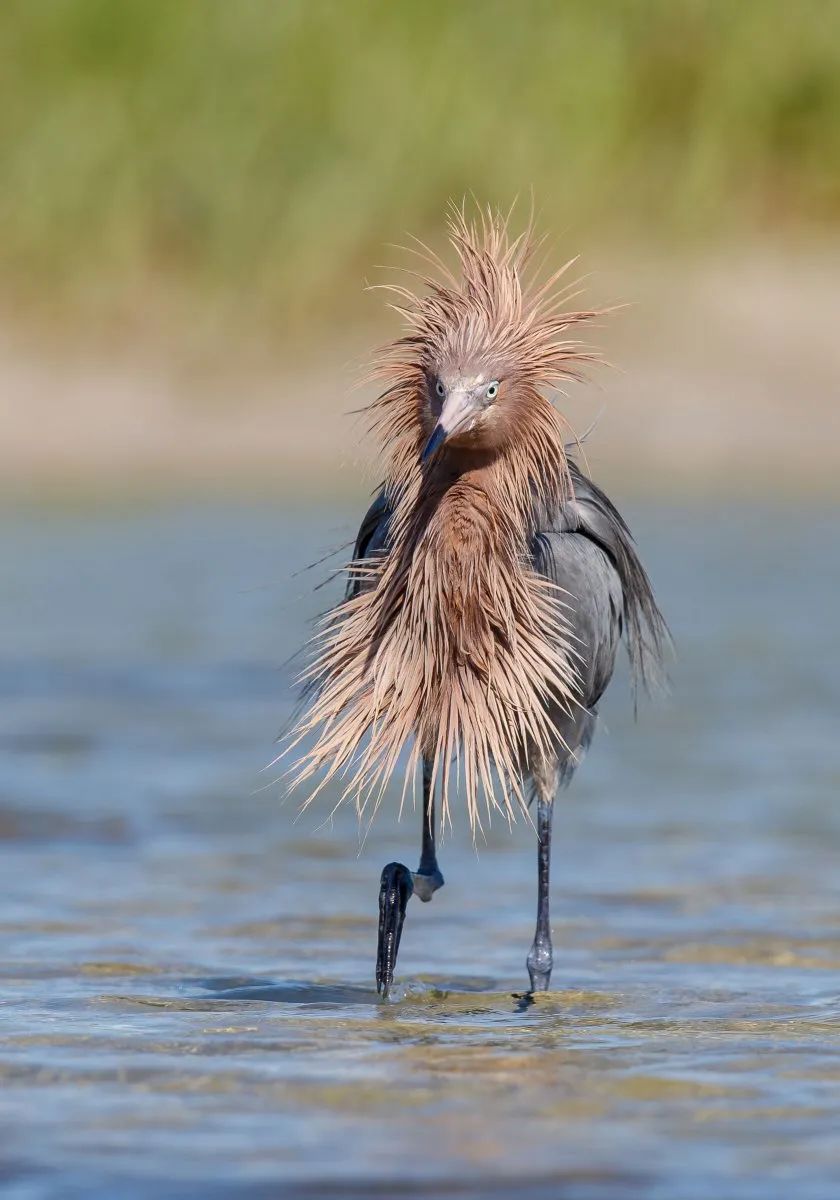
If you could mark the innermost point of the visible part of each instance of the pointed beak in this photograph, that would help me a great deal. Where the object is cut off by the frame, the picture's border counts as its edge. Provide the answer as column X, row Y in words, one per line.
column 434, row 443
column 458, row 410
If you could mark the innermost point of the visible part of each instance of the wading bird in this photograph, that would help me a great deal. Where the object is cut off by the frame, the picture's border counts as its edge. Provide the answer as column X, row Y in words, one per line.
column 491, row 582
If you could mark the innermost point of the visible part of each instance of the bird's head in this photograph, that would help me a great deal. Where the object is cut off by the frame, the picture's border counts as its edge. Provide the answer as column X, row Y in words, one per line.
column 484, row 342
column 464, row 408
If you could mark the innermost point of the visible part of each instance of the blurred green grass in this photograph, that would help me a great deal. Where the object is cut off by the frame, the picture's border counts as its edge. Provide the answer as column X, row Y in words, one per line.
column 256, row 155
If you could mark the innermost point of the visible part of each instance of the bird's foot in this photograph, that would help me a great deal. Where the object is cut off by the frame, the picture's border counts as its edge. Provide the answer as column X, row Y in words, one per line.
column 540, row 981
column 540, row 961
column 395, row 887
column 426, row 883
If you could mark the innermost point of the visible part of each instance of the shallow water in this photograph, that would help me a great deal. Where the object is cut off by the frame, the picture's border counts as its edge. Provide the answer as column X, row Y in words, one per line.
column 186, row 971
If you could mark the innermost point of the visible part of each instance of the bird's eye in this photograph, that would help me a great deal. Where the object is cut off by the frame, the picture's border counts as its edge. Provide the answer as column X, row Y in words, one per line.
column 440, row 389
column 492, row 390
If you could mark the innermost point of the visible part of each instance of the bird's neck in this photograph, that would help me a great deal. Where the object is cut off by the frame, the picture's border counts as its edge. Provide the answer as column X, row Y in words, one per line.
column 458, row 562
column 471, row 505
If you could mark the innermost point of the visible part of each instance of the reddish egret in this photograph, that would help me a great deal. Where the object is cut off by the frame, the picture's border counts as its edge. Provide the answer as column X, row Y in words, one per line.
column 491, row 582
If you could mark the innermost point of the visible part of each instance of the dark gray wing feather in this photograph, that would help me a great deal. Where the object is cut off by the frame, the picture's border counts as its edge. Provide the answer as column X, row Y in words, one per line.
column 645, row 631
column 371, row 539
column 591, row 593
column 592, row 515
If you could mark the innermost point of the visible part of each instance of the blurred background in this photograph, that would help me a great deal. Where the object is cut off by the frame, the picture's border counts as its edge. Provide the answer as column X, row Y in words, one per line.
column 194, row 197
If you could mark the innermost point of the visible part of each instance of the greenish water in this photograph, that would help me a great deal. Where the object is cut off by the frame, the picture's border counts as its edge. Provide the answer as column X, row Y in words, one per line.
column 186, row 999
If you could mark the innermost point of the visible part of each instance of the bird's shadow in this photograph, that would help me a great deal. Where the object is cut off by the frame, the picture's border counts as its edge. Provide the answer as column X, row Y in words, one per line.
column 292, row 991
column 330, row 994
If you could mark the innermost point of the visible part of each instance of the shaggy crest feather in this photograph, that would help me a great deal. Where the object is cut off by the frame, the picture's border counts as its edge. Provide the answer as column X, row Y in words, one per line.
column 448, row 641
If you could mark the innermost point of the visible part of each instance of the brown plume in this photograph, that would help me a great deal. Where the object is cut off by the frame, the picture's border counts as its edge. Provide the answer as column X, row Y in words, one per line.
column 450, row 643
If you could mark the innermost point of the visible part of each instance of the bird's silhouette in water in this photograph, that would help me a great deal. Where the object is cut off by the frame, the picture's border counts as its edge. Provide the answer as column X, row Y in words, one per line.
column 491, row 583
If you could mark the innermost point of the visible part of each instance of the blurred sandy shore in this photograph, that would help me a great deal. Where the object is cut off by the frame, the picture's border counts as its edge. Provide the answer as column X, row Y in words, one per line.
column 728, row 378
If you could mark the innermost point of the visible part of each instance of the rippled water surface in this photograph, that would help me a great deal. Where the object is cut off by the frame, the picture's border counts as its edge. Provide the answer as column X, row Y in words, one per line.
column 186, row 971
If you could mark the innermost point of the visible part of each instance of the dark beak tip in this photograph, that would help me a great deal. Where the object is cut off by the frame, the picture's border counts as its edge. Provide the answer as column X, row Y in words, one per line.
column 434, row 443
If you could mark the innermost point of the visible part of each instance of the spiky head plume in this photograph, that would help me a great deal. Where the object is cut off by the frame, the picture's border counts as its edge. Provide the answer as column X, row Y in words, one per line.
column 497, row 318
column 498, row 314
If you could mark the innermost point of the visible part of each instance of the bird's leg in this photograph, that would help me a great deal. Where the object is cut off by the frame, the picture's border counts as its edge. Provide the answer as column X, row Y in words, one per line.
column 540, row 956
column 397, row 884
column 427, row 878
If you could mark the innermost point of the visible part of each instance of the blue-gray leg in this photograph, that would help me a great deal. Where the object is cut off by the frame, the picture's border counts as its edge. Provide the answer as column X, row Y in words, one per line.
column 540, row 956
column 397, row 885
column 427, row 878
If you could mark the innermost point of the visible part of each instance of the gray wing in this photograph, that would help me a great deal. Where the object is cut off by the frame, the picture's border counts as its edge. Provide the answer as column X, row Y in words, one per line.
column 587, row 549
column 371, row 539
column 593, row 602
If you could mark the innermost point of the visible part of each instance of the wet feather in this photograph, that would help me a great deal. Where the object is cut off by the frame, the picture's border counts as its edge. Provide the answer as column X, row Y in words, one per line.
column 449, row 642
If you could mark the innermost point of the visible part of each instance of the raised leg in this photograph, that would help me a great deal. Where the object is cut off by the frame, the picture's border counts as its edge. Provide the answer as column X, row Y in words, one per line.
column 397, row 885
column 395, row 888
column 540, row 956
